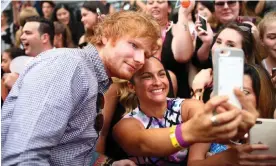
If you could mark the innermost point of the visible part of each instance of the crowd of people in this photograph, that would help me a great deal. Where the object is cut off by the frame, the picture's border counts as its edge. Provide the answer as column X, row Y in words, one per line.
column 133, row 85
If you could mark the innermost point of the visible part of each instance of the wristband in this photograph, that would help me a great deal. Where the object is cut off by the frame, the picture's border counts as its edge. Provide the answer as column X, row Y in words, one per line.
column 179, row 138
column 173, row 138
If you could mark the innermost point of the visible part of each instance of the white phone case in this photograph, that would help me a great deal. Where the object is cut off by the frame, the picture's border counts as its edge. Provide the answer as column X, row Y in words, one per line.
column 264, row 132
column 228, row 72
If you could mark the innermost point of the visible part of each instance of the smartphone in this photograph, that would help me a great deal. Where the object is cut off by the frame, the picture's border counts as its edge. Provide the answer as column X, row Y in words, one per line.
column 263, row 132
column 203, row 22
column 228, row 69
column 273, row 72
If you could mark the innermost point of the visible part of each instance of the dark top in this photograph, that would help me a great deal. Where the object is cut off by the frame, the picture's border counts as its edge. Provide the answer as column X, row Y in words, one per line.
column 200, row 64
column 179, row 69
column 77, row 30
column 112, row 149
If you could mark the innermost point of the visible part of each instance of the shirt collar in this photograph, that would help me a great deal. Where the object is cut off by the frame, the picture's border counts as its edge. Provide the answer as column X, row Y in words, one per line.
column 103, row 80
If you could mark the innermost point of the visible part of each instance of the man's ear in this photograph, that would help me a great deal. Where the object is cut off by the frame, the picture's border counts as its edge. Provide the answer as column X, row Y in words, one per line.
column 104, row 40
column 131, row 87
column 45, row 38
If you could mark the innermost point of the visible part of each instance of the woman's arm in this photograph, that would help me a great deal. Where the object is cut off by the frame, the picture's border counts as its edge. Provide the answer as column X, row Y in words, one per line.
column 138, row 141
column 207, row 38
column 182, row 43
column 111, row 100
column 260, row 7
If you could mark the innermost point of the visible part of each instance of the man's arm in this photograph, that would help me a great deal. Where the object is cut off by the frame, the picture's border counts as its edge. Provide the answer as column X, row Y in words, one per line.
column 41, row 104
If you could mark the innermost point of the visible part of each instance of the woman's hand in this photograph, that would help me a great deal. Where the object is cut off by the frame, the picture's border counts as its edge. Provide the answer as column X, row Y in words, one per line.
column 186, row 11
column 244, row 156
column 203, row 79
column 249, row 113
column 205, row 36
column 204, row 126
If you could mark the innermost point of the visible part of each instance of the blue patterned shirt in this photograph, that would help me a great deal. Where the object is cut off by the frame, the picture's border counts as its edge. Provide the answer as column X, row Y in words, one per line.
column 48, row 116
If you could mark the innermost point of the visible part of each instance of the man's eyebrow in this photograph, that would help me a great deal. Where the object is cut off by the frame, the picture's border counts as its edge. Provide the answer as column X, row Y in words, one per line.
column 141, row 46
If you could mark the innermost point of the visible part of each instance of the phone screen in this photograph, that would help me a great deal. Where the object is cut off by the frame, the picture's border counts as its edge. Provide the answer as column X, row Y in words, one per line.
column 203, row 22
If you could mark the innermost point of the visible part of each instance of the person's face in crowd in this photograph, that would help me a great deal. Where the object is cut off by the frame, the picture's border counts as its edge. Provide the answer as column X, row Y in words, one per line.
column 159, row 9
column 63, row 16
column 228, row 38
column 58, row 41
column 31, row 39
column 6, row 60
column 3, row 18
column 88, row 18
column 226, row 11
column 202, row 10
column 125, row 56
column 269, row 38
column 248, row 90
column 151, row 83
column 47, row 10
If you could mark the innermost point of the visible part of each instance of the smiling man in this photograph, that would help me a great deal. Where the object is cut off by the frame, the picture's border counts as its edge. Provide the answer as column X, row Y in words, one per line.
column 49, row 116
column 37, row 36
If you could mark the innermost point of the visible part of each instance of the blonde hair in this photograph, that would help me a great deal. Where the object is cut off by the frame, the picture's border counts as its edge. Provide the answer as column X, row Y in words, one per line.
column 127, row 98
column 23, row 15
column 268, row 19
column 127, row 23
column 26, row 13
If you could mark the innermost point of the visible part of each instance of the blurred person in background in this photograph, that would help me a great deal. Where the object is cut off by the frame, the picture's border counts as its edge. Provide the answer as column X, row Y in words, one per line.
column 89, row 18
column 47, row 8
column 264, row 7
column 6, row 32
column 8, row 55
column 63, row 37
column 267, row 28
column 65, row 15
column 8, row 78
